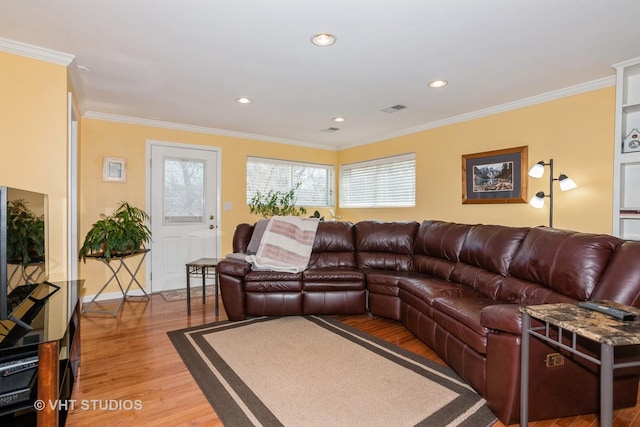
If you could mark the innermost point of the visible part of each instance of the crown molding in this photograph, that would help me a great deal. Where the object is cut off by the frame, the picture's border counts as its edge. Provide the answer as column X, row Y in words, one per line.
column 35, row 52
column 521, row 103
column 202, row 129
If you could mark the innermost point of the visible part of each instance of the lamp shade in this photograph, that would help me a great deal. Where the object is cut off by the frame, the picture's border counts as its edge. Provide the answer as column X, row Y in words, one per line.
column 566, row 183
column 537, row 170
column 537, row 201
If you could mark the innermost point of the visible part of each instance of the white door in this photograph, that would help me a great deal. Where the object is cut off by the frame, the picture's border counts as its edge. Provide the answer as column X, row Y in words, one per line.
column 184, row 211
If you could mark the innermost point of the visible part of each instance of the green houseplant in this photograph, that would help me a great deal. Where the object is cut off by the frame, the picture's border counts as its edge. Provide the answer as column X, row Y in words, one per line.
column 25, row 233
column 123, row 232
column 276, row 202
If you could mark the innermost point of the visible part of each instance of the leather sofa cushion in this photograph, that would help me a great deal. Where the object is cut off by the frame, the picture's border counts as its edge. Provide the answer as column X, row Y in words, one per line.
column 242, row 237
column 437, row 247
column 519, row 291
column 620, row 282
column 478, row 279
column 387, row 282
column 461, row 318
column 273, row 286
column 264, row 275
column 385, row 245
column 332, row 280
column 466, row 310
column 568, row 262
column 233, row 267
column 502, row 317
column 428, row 288
column 492, row 247
column 333, row 246
column 333, row 275
column 338, row 286
column 440, row 239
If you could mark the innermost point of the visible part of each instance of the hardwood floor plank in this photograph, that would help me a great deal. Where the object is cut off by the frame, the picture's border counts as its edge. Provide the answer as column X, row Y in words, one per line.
column 130, row 358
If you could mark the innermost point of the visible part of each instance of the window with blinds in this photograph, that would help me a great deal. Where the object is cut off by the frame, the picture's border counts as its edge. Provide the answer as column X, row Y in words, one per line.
column 316, row 180
column 386, row 182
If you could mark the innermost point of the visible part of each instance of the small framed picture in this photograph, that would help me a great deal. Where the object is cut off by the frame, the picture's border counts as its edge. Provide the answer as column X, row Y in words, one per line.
column 114, row 170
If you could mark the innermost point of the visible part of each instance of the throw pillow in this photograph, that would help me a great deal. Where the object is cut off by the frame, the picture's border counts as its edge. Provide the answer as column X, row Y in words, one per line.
column 256, row 237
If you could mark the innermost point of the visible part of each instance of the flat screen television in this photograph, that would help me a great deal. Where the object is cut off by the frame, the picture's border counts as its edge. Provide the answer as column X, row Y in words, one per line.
column 23, row 259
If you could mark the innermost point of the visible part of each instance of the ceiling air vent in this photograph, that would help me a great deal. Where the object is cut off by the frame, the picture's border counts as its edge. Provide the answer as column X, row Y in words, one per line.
column 330, row 130
column 394, row 108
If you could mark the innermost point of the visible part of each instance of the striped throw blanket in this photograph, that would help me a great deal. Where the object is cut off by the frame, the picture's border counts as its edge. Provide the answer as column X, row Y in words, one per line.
column 286, row 244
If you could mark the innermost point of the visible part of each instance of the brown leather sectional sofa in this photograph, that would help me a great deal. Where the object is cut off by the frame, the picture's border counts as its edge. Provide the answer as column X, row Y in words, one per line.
column 457, row 287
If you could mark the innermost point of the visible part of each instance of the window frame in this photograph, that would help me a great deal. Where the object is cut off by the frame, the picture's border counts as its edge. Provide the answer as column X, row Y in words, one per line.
column 329, row 192
column 380, row 167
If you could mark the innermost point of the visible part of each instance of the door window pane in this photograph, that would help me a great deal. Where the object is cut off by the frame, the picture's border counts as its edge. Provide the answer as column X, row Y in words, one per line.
column 183, row 198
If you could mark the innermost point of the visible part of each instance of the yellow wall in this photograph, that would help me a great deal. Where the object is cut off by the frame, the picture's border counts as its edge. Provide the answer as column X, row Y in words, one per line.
column 101, row 139
column 576, row 131
column 33, row 135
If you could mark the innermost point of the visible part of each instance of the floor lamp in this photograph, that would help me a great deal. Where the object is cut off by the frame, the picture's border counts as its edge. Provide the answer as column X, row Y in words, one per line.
column 566, row 183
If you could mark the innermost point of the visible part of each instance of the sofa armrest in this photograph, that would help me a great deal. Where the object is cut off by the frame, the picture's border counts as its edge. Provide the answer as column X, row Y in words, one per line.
column 231, row 273
column 502, row 317
column 233, row 267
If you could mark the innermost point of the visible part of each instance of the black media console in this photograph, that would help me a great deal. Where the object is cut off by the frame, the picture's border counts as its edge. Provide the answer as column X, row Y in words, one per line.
column 43, row 363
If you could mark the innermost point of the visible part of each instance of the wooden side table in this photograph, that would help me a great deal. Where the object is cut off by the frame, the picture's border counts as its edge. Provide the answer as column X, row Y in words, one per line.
column 205, row 267
column 600, row 328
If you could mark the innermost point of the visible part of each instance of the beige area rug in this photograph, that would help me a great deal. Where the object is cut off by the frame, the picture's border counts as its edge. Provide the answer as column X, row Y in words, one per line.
column 316, row 371
column 181, row 294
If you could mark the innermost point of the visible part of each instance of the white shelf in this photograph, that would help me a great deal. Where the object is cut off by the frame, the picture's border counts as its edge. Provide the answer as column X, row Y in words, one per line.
column 626, row 180
column 631, row 108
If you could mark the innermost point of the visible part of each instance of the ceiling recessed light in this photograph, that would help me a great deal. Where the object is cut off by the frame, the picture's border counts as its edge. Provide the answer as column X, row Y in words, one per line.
column 323, row 39
column 438, row 83
column 339, row 119
column 243, row 100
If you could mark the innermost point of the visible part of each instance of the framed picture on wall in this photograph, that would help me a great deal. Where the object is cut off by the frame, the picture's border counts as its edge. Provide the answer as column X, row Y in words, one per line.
column 495, row 176
column 114, row 169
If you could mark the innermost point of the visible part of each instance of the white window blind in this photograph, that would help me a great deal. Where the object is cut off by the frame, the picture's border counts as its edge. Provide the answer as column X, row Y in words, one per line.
column 386, row 182
column 316, row 180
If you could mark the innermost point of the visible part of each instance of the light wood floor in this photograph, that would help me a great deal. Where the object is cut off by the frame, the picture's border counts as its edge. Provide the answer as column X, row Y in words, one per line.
column 130, row 358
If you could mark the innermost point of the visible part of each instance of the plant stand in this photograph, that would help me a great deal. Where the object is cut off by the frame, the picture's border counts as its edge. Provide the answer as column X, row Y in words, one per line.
column 114, row 275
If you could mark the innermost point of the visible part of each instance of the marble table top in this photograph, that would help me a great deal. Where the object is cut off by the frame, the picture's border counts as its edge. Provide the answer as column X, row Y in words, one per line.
column 590, row 324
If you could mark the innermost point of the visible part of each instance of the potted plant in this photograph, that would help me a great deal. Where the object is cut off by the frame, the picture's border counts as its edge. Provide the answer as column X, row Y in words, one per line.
column 123, row 232
column 276, row 202
column 25, row 234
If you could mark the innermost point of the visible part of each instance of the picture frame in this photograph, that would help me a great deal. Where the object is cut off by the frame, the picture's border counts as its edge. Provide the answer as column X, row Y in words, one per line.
column 498, row 176
column 114, row 169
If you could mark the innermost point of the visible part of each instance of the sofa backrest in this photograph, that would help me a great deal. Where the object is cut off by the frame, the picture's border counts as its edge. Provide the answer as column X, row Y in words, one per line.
column 567, row 262
column 385, row 245
column 621, row 280
column 242, row 237
column 437, row 247
column 333, row 246
column 485, row 256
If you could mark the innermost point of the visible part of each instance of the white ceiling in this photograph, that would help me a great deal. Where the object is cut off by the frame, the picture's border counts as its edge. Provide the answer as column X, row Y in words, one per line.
column 186, row 61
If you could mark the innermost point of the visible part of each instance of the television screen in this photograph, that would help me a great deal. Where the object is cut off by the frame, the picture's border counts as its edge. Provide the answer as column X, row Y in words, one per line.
column 23, row 247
